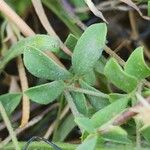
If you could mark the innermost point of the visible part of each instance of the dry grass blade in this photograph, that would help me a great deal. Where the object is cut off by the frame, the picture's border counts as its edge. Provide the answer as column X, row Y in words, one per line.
column 14, row 87
column 133, row 5
column 24, row 28
column 46, row 24
column 24, row 86
column 95, row 11
column 23, row 81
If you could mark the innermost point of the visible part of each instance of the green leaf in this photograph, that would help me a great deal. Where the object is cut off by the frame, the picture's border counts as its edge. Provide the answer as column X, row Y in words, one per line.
column 136, row 65
column 39, row 145
column 88, row 144
column 10, row 101
column 116, row 134
column 97, row 102
column 103, row 83
column 118, row 77
column 89, row 48
column 148, row 7
column 66, row 146
column 45, row 93
column 90, row 77
column 146, row 92
column 106, row 114
column 70, row 42
column 42, row 66
column 65, row 128
column 146, row 133
column 100, row 64
column 42, row 42
column 80, row 102
column 85, row 123
column 115, row 96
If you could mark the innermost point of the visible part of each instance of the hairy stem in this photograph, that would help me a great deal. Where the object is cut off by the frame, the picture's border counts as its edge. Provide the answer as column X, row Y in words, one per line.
column 89, row 92
column 71, row 104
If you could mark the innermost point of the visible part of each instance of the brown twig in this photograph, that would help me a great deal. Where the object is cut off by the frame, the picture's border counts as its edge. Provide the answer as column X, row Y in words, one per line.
column 133, row 5
column 135, row 36
column 135, row 33
column 108, row 6
column 113, row 54
column 121, row 45
column 23, row 81
column 125, row 116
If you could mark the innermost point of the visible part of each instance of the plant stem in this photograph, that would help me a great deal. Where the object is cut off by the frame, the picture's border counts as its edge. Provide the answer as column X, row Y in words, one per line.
column 113, row 54
column 57, row 121
column 71, row 104
column 135, row 33
column 9, row 127
column 138, row 136
column 89, row 92
column 52, row 126
column 128, row 114
column 124, row 117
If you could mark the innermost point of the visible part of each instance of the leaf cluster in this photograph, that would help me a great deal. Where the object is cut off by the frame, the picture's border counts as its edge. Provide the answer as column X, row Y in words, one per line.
column 93, row 110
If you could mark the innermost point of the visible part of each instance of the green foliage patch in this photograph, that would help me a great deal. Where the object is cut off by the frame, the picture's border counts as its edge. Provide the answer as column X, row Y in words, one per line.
column 95, row 110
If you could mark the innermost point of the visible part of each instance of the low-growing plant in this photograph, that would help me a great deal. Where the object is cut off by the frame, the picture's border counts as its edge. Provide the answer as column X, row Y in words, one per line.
column 96, row 112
